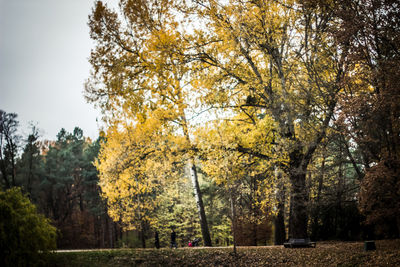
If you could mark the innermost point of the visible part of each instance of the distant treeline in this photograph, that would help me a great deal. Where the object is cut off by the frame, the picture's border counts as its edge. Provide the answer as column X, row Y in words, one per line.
column 60, row 178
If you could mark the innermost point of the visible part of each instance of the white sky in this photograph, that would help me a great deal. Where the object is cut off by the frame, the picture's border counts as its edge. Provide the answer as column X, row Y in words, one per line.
column 44, row 50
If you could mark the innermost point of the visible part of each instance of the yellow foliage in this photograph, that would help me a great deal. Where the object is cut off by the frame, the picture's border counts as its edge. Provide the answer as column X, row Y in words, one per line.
column 273, row 76
column 233, row 150
column 133, row 167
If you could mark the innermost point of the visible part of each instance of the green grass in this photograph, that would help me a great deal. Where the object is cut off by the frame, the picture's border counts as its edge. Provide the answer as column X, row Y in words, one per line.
column 326, row 254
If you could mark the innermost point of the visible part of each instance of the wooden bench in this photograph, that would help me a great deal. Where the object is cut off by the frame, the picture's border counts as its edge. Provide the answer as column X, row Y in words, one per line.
column 369, row 245
column 299, row 243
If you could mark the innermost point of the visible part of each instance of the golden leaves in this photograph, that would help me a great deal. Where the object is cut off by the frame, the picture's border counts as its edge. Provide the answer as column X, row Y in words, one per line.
column 239, row 149
column 325, row 254
column 132, row 170
column 150, row 74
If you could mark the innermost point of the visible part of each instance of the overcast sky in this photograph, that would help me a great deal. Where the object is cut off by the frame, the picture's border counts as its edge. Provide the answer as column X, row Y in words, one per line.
column 44, row 50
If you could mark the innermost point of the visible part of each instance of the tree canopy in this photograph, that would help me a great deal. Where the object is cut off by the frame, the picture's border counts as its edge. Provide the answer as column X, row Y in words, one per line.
column 237, row 122
column 232, row 60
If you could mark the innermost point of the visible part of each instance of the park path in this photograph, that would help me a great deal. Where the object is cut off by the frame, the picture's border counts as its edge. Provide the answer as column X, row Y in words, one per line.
column 111, row 249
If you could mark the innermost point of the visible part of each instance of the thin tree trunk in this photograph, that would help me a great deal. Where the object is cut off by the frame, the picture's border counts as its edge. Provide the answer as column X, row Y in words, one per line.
column 3, row 164
column 317, row 208
column 200, row 206
column 340, row 190
column 97, row 232
column 118, row 233
column 103, row 230
column 195, row 181
column 14, row 169
column 4, row 174
column 30, row 174
column 110, row 233
column 254, row 210
column 233, row 211
column 360, row 174
column 321, row 180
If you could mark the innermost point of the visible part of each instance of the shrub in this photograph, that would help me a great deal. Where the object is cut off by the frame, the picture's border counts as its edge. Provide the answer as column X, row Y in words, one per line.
column 380, row 198
column 26, row 237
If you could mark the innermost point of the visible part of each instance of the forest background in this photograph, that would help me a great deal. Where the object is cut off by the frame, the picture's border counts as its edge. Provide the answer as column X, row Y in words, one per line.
column 244, row 122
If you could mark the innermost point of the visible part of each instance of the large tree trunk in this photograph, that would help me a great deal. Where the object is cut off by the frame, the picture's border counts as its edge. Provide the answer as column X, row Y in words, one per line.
column 300, row 157
column 143, row 234
column 298, row 202
column 279, row 221
column 254, row 234
column 142, row 238
column 200, row 206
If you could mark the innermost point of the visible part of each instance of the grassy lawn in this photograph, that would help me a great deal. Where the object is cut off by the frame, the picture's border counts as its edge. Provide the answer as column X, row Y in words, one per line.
column 325, row 254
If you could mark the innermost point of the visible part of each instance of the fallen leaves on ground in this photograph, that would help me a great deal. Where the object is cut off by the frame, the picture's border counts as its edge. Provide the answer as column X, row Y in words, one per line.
column 325, row 254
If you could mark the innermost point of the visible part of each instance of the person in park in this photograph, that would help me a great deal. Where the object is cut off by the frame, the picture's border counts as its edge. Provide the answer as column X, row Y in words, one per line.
column 194, row 242
column 173, row 239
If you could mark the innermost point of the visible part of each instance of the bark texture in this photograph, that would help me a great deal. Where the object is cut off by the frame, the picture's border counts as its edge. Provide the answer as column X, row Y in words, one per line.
column 200, row 206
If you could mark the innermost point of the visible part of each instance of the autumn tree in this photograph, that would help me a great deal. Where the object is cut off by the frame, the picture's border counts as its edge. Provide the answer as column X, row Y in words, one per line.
column 370, row 109
column 248, row 180
column 137, row 76
column 216, row 202
column 129, row 177
column 176, row 208
column 276, row 57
